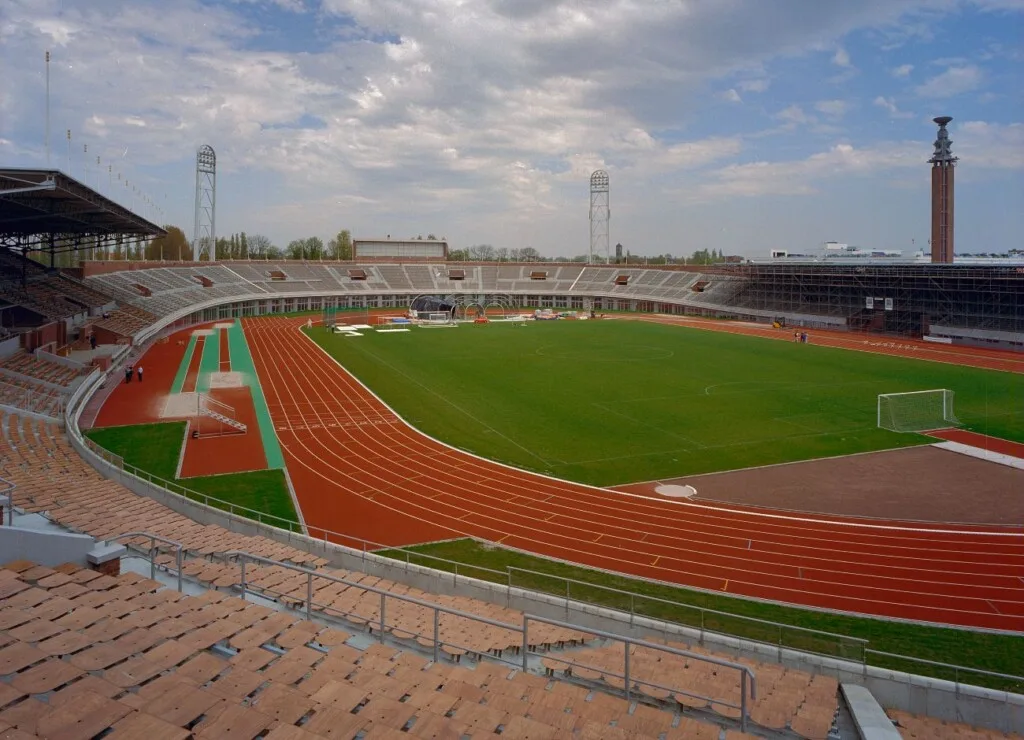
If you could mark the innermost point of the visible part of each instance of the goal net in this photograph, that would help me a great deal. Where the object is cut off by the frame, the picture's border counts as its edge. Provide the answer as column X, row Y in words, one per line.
column 916, row 411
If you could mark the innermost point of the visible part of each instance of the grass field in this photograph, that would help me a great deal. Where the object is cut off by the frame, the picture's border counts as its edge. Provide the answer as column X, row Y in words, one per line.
column 611, row 402
column 988, row 651
column 155, row 449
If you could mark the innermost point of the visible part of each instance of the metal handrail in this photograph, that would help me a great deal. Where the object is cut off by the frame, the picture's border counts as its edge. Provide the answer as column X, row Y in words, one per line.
column 955, row 668
column 11, row 486
column 208, row 400
column 505, row 575
column 154, row 538
column 633, row 595
column 747, row 676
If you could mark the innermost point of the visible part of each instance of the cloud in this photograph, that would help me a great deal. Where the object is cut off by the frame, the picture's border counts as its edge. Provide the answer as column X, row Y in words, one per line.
column 800, row 177
column 903, row 70
column 832, row 108
column 442, row 115
column 954, row 81
column 841, row 58
column 889, row 105
column 794, row 115
column 756, row 85
column 990, row 145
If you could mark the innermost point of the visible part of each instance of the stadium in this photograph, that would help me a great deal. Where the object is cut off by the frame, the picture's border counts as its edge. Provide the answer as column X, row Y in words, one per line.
column 665, row 466
column 267, row 499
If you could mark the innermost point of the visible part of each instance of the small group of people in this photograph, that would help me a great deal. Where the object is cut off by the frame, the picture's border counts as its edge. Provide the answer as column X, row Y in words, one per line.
column 800, row 336
column 131, row 370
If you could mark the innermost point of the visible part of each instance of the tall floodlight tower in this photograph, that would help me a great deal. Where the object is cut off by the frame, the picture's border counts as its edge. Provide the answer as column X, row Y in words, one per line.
column 600, row 214
column 942, row 162
column 205, row 234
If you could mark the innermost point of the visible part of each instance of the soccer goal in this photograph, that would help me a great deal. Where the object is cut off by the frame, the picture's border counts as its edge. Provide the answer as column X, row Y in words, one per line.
column 916, row 411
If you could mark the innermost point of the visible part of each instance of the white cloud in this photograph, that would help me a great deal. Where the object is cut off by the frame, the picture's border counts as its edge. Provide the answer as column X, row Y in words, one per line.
column 794, row 115
column 456, row 117
column 990, row 145
column 800, row 177
column 889, row 105
column 841, row 58
column 832, row 108
column 903, row 70
column 954, row 81
column 756, row 85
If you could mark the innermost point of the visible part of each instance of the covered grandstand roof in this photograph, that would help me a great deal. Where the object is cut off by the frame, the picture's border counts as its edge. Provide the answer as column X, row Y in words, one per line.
column 38, row 207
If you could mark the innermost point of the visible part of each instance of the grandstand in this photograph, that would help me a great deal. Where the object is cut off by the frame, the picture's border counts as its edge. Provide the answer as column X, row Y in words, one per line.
column 969, row 304
column 306, row 655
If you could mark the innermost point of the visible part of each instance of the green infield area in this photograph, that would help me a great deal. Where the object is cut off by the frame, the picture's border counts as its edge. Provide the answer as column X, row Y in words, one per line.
column 155, row 449
column 612, row 402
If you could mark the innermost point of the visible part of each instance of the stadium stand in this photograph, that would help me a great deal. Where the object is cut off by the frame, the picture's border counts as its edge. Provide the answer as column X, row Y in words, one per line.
column 126, row 321
column 920, row 727
column 33, row 367
column 98, row 634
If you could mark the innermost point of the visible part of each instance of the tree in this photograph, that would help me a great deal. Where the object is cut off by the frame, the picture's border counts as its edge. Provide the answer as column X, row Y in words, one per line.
column 174, row 246
column 314, row 248
column 243, row 246
column 529, row 254
column 259, row 246
column 272, row 252
column 340, row 247
column 296, row 249
column 501, row 254
column 222, row 249
column 482, row 253
column 458, row 255
column 432, row 237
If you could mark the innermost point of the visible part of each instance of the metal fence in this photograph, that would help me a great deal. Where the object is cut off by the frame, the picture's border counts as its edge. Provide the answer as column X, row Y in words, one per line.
column 747, row 678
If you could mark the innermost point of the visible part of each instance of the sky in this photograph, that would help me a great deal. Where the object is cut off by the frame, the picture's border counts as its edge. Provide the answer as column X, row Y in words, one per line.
column 737, row 125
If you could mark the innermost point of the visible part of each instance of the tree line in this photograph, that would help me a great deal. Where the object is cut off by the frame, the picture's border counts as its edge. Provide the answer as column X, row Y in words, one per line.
column 175, row 246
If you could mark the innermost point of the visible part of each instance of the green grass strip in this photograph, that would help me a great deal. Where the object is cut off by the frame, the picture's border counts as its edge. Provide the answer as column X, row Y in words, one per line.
column 987, row 651
column 179, row 379
column 210, row 362
column 242, row 363
column 155, row 449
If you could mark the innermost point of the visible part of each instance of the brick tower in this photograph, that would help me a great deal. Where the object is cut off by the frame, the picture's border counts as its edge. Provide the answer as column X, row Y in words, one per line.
column 942, row 162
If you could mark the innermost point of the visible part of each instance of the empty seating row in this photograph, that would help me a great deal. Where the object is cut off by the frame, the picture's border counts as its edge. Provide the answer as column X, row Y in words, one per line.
column 31, row 366
column 84, row 655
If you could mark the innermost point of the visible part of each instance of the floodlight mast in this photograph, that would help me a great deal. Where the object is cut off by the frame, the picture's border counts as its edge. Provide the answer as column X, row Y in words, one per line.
column 205, row 234
column 600, row 215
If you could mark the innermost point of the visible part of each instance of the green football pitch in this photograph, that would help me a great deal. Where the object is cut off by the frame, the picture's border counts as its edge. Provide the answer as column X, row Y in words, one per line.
column 613, row 402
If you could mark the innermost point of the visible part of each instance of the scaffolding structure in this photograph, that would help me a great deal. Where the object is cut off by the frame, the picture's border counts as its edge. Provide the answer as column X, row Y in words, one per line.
column 892, row 299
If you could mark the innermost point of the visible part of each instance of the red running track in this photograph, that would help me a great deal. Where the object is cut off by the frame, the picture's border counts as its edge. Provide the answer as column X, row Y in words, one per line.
column 359, row 469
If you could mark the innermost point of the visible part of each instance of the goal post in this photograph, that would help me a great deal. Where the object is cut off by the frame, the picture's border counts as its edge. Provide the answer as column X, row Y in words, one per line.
column 917, row 411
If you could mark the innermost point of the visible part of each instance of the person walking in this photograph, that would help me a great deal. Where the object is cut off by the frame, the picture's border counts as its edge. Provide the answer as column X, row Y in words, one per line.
column 138, row 370
column 128, row 374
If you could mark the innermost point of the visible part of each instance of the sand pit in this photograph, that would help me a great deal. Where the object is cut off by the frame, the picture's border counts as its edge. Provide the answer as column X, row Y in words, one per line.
column 230, row 379
column 180, row 406
column 223, row 324
column 203, row 333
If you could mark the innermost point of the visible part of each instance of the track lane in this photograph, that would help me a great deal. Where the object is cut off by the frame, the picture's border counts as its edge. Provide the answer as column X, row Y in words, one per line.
column 430, row 485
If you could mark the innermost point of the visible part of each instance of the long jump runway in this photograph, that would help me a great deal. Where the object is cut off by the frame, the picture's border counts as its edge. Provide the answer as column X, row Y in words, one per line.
column 360, row 470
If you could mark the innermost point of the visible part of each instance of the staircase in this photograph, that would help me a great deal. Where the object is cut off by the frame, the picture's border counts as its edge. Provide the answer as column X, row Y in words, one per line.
column 222, row 413
column 227, row 421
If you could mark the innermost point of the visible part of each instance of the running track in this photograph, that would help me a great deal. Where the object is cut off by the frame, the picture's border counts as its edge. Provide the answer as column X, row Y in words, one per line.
column 360, row 470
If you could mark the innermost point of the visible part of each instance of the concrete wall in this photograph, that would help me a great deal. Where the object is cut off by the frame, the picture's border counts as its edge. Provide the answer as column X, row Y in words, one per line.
column 9, row 346
column 45, row 548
